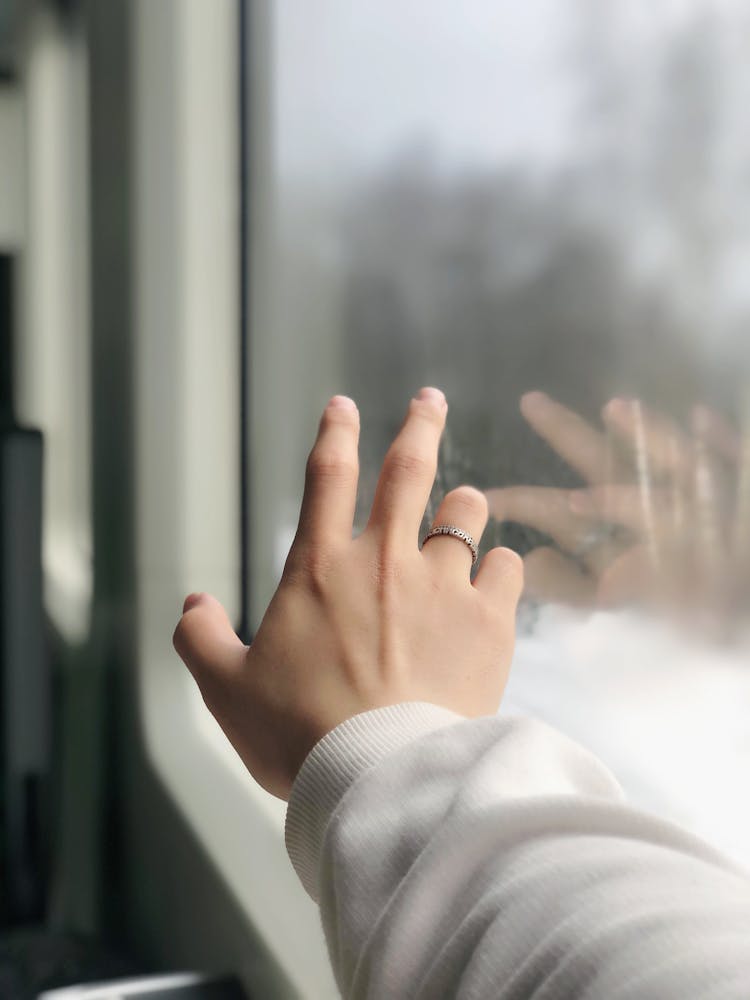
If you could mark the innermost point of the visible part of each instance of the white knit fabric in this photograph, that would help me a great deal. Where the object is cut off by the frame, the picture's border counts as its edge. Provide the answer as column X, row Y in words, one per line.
column 495, row 858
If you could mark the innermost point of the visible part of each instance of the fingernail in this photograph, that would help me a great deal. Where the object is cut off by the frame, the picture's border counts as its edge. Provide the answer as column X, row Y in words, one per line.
column 619, row 408
column 535, row 398
column 430, row 394
column 580, row 503
column 342, row 401
column 535, row 404
column 190, row 602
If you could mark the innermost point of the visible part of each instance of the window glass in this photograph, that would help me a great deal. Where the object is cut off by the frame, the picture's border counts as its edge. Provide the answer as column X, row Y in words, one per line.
column 543, row 209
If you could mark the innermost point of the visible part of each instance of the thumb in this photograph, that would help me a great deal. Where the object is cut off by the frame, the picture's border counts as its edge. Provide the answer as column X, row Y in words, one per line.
column 204, row 637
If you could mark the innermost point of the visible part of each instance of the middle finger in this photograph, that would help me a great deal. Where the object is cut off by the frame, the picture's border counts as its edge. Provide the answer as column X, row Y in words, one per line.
column 409, row 468
column 544, row 508
column 583, row 447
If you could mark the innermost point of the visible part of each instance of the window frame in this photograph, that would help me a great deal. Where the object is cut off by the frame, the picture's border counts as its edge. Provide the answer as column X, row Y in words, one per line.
column 186, row 260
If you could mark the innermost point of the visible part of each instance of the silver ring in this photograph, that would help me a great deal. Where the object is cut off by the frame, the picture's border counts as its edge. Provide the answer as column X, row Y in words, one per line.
column 452, row 531
column 598, row 535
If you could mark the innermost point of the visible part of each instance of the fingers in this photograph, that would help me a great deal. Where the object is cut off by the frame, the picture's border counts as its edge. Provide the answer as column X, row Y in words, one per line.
column 719, row 435
column 545, row 508
column 630, row 507
column 409, row 468
column 573, row 519
column 551, row 576
column 327, row 513
column 205, row 639
column 656, row 444
column 629, row 580
column 464, row 508
column 500, row 578
column 583, row 448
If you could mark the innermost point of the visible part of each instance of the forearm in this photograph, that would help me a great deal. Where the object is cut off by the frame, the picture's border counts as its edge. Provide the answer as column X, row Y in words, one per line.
column 495, row 853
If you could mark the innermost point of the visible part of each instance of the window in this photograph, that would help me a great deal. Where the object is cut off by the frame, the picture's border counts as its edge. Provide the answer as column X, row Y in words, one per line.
column 551, row 196
column 187, row 307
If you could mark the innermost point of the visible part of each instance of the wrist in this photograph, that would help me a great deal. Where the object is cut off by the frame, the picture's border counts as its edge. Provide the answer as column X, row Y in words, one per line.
column 334, row 765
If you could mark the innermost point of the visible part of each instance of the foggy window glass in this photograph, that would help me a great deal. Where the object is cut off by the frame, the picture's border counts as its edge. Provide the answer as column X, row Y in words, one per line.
column 543, row 208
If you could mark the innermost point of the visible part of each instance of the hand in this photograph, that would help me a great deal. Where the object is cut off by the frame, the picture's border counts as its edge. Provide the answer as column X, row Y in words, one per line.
column 360, row 623
column 660, row 522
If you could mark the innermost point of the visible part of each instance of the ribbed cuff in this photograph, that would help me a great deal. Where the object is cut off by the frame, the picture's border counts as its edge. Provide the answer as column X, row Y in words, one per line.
column 335, row 763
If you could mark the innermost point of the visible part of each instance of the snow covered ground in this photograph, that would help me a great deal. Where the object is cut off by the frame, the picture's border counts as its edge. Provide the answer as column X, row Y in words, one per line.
column 669, row 715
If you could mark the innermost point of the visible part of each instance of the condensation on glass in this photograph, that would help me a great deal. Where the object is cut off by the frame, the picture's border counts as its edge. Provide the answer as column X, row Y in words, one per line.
column 543, row 208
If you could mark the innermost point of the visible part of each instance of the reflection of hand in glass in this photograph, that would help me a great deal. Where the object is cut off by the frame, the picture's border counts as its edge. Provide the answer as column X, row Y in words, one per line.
column 660, row 522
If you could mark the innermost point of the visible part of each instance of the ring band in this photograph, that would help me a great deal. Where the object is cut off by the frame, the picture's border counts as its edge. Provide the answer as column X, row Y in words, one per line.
column 453, row 532
column 599, row 535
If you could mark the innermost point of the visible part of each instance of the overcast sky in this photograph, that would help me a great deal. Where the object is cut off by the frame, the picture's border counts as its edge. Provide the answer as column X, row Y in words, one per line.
column 355, row 82
column 483, row 82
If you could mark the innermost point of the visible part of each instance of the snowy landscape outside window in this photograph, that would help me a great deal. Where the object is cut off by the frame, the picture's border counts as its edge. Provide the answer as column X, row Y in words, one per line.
column 545, row 210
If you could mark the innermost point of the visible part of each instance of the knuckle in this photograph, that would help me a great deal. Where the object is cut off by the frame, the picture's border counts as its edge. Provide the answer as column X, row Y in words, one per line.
column 328, row 465
column 487, row 614
column 313, row 565
column 408, row 465
column 339, row 416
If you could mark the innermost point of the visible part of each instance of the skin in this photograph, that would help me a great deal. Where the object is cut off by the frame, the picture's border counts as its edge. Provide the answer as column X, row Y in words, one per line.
column 671, row 496
column 360, row 623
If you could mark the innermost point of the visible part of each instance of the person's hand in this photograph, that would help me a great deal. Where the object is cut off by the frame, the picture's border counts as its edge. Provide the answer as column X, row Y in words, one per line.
column 658, row 525
column 360, row 623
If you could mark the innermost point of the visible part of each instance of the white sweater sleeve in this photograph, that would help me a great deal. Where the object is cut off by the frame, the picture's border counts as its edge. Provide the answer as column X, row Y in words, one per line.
column 495, row 858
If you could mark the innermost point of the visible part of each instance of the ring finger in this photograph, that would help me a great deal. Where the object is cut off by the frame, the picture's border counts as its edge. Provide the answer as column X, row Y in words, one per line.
column 464, row 508
column 544, row 508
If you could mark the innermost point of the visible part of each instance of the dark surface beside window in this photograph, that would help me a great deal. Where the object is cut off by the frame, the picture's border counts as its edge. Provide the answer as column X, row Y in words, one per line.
column 6, row 340
column 10, row 11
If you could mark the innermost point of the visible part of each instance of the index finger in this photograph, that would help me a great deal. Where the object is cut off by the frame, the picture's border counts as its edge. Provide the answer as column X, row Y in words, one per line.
column 327, row 513
column 583, row 447
column 409, row 467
